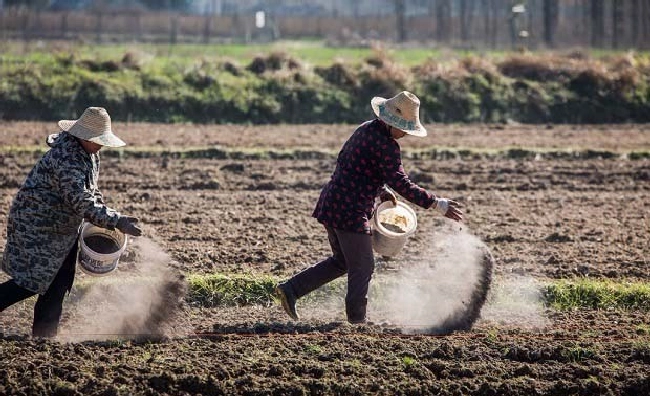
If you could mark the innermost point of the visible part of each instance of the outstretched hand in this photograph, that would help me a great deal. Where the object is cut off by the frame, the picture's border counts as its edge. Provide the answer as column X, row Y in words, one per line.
column 449, row 208
column 126, row 224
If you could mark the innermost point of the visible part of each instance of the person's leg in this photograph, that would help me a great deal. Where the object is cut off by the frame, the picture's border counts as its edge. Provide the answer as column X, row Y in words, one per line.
column 11, row 293
column 323, row 272
column 312, row 278
column 360, row 259
column 49, row 306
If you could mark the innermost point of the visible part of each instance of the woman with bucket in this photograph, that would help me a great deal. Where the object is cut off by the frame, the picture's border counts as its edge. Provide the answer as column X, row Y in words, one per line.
column 45, row 216
column 368, row 161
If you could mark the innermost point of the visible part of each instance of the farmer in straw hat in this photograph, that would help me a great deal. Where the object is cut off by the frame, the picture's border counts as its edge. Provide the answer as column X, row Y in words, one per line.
column 47, row 212
column 368, row 161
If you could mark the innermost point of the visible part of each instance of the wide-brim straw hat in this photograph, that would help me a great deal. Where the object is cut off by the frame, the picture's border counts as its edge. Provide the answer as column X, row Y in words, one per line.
column 402, row 111
column 94, row 125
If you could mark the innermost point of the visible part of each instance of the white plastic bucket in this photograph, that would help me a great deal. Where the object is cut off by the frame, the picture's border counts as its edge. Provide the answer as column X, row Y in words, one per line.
column 100, row 263
column 392, row 225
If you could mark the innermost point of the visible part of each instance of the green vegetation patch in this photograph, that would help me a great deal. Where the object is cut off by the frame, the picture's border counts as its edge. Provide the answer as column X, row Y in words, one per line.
column 563, row 295
column 230, row 290
column 597, row 294
column 212, row 290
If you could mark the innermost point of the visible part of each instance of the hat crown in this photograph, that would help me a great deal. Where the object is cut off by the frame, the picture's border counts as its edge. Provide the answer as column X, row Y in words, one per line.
column 405, row 105
column 94, row 125
column 402, row 111
column 96, row 121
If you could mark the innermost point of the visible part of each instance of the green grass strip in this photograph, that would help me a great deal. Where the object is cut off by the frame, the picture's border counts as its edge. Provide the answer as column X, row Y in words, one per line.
column 212, row 290
column 566, row 295
column 562, row 295
column 230, row 290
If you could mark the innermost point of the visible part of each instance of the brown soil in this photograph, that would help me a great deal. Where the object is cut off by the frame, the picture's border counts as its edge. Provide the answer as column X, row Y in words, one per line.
column 542, row 219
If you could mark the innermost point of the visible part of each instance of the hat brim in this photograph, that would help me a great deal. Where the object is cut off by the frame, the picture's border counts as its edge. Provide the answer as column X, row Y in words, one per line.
column 65, row 125
column 107, row 139
column 378, row 104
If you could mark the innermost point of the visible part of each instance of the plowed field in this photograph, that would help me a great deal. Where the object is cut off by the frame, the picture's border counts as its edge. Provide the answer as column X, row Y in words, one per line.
column 551, row 202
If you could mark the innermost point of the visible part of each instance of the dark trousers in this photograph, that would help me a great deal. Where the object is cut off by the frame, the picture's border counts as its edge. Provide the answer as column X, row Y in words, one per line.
column 49, row 306
column 352, row 254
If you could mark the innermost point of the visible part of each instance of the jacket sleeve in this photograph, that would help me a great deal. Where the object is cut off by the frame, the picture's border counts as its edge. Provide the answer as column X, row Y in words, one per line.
column 395, row 176
column 83, row 200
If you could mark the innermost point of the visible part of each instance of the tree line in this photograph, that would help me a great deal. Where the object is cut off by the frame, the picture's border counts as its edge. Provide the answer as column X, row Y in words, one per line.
column 471, row 24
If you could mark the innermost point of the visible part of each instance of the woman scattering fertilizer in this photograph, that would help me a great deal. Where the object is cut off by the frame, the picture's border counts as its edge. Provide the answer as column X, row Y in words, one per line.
column 47, row 212
column 368, row 161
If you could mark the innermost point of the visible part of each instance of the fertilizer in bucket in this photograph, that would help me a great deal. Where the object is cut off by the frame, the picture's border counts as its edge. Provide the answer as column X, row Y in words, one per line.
column 392, row 225
column 100, row 249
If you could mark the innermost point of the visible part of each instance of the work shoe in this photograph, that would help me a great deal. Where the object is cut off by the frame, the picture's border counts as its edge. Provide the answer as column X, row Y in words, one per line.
column 356, row 311
column 288, row 299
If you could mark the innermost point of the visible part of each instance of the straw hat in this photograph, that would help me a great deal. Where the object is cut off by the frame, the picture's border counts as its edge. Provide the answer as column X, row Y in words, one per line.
column 401, row 111
column 94, row 125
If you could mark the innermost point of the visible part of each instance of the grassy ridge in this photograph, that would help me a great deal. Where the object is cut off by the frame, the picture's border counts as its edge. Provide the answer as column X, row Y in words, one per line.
column 279, row 88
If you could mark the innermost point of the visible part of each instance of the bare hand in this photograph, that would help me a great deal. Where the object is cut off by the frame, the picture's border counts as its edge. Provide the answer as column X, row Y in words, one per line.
column 388, row 196
column 454, row 212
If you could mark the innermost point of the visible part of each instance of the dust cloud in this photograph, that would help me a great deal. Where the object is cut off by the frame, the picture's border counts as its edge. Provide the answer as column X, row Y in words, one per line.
column 516, row 301
column 451, row 286
column 440, row 289
column 142, row 299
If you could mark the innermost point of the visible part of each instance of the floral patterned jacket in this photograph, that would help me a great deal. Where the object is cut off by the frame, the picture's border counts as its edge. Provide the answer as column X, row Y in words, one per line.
column 370, row 159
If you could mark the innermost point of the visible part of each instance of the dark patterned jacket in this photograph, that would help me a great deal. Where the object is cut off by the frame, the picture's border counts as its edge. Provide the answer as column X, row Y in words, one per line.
column 370, row 159
column 48, row 210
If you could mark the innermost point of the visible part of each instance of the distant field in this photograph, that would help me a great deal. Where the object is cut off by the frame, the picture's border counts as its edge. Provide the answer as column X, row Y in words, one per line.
column 314, row 52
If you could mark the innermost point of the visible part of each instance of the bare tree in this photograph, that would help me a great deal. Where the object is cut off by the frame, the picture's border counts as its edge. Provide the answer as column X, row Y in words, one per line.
column 646, row 24
column 636, row 22
column 400, row 13
column 490, row 20
column 499, row 14
column 551, row 14
column 466, row 17
column 597, row 23
column 585, row 6
column 443, row 18
column 207, row 23
column 99, row 7
column 532, row 7
column 618, row 22
column 355, row 9
column 485, row 9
